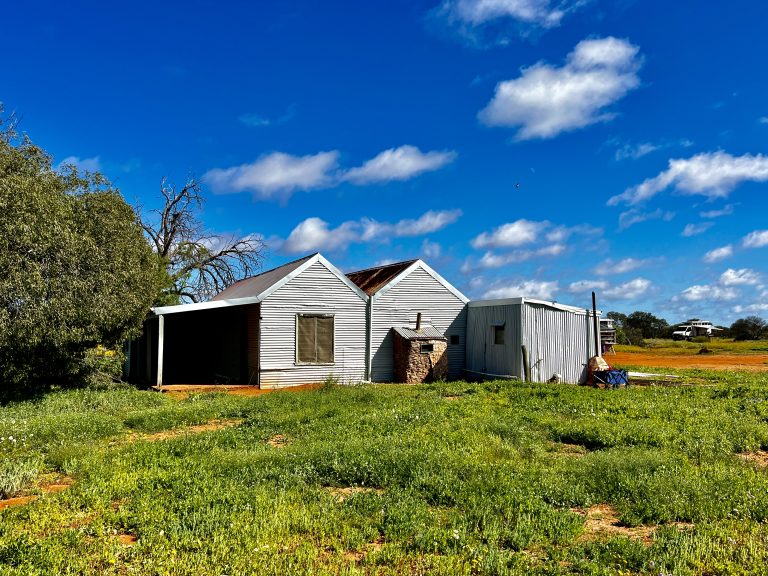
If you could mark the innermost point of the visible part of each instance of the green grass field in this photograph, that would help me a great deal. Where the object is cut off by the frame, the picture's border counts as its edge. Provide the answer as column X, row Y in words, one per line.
column 682, row 347
column 493, row 478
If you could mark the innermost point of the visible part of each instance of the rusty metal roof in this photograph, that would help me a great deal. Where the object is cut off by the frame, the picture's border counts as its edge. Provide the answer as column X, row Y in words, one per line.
column 427, row 332
column 371, row 280
column 255, row 285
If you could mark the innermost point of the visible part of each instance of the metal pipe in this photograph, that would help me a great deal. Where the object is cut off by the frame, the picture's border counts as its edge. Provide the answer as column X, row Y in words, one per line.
column 595, row 325
column 526, row 363
column 418, row 321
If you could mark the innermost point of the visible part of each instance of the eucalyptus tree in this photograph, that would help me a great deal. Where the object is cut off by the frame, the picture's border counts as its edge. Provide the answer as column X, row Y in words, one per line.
column 75, row 269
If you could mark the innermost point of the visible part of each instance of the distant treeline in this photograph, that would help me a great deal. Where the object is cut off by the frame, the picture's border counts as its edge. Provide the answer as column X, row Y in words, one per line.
column 639, row 326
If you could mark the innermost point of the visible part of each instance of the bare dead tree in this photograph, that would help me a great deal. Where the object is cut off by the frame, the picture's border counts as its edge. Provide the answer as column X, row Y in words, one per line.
column 200, row 264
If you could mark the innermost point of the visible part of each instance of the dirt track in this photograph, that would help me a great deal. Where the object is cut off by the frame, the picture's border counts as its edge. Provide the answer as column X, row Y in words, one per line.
column 756, row 362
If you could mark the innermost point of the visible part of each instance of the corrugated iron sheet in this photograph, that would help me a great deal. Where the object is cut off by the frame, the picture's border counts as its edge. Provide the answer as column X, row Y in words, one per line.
column 373, row 279
column 426, row 332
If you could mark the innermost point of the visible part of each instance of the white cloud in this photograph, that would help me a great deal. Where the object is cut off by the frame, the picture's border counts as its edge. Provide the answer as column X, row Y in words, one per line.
column 718, row 254
column 430, row 221
column 400, row 163
column 633, row 216
column 696, row 229
column 742, row 276
column 712, row 174
column 545, row 101
column 315, row 234
column 562, row 233
column 254, row 120
column 756, row 239
column 587, row 286
column 477, row 12
column 726, row 210
column 628, row 290
column 527, row 288
column 492, row 260
column 83, row 164
column 755, row 308
column 763, row 120
column 635, row 151
column 279, row 174
column 275, row 174
column 512, row 234
column 622, row 266
column 431, row 249
column 708, row 292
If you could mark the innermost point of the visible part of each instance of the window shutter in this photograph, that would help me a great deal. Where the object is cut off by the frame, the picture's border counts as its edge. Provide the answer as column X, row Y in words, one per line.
column 314, row 339
column 305, row 339
column 324, row 339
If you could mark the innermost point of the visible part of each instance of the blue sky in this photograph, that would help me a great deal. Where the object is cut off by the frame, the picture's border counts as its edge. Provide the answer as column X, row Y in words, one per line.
column 521, row 147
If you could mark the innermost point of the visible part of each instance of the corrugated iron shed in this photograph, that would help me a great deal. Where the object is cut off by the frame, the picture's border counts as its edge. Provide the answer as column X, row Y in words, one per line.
column 426, row 332
column 371, row 280
column 255, row 285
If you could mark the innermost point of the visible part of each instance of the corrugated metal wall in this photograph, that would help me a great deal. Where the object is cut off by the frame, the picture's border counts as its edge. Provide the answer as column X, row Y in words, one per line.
column 417, row 292
column 558, row 341
column 315, row 291
column 485, row 356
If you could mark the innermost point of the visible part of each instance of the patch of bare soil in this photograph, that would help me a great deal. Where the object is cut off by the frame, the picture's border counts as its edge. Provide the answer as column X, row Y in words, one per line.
column 342, row 494
column 602, row 521
column 451, row 397
column 278, row 441
column 182, row 391
column 126, row 539
column 759, row 457
column 48, row 484
column 358, row 555
column 753, row 362
column 19, row 501
column 573, row 450
column 211, row 426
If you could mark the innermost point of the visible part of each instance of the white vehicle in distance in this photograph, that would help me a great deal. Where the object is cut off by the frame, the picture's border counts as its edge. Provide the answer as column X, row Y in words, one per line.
column 693, row 329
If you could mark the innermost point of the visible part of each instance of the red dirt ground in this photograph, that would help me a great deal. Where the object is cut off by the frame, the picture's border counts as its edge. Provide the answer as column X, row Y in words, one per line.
column 47, row 486
column 181, row 391
column 754, row 362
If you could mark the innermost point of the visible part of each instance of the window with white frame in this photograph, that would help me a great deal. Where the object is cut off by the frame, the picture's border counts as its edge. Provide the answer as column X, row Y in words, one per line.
column 314, row 339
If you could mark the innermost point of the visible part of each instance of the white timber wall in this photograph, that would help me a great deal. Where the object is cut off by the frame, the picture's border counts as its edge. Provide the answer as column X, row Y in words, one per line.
column 558, row 341
column 398, row 306
column 315, row 291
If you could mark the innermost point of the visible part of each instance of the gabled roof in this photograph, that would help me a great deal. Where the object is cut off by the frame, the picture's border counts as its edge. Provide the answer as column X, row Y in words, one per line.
column 257, row 288
column 377, row 281
column 255, row 285
column 371, row 280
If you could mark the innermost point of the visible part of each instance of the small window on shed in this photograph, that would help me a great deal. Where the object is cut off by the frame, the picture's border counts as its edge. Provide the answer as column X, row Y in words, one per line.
column 427, row 348
column 498, row 334
column 454, row 339
column 314, row 339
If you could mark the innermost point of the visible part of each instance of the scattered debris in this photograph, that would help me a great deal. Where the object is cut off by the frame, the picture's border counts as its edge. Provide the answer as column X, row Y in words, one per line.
column 705, row 350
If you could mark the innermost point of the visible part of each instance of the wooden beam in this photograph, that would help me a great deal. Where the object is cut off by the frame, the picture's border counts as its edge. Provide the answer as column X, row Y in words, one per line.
column 160, row 338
